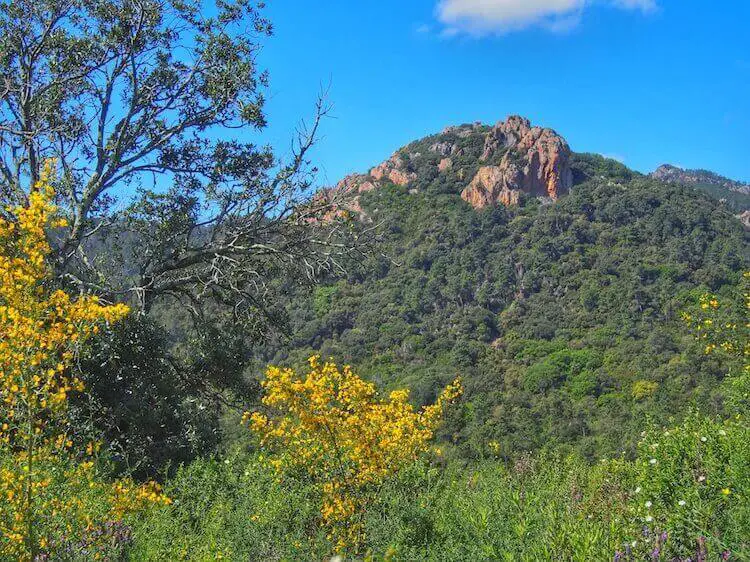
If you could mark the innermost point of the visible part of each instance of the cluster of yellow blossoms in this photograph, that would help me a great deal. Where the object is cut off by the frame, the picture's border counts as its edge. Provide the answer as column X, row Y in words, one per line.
column 334, row 427
column 40, row 331
column 722, row 331
column 710, row 326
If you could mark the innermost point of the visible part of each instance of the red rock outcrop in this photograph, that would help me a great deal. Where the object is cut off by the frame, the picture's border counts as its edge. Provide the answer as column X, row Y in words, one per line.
column 393, row 169
column 338, row 201
column 355, row 183
column 490, row 187
column 518, row 158
column 533, row 160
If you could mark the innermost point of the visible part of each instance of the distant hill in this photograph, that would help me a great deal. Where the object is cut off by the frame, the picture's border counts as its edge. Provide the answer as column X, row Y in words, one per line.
column 735, row 194
column 552, row 281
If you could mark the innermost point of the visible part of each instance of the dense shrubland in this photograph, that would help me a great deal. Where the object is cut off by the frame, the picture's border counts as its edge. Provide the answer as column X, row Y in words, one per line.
column 535, row 508
column 681, row 495
column 564, row 319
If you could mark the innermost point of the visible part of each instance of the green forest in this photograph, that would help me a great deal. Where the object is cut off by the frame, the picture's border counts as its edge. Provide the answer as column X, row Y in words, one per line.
column 235, row 362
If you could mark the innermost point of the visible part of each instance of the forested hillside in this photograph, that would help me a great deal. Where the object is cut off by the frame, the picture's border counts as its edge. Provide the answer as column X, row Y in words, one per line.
column 563, row 317
column 735, row 194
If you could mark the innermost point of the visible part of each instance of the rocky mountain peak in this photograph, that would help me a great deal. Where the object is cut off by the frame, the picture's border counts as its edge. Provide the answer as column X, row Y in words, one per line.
column 513, row 157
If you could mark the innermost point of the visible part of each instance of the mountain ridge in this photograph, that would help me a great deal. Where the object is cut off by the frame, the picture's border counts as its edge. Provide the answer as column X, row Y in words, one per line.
column 500, row 164
column 496, row 164
column 669, row 172
column 735, row 194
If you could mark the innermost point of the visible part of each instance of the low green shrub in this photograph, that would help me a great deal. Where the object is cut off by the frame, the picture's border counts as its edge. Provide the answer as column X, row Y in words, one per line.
column 684, row 496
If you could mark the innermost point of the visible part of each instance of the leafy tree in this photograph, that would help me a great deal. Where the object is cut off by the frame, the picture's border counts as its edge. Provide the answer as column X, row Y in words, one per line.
column 150, row 109
column 144, row 405
column 138, row 100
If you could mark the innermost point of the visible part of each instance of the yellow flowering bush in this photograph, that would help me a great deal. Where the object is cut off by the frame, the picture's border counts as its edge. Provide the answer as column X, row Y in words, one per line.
column 717, row 328
column 723, row 329
column 333, row 426
column 644, row 389
column 40, row 331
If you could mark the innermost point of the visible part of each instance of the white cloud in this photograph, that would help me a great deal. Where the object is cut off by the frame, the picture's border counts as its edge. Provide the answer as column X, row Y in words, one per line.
column 480, row 17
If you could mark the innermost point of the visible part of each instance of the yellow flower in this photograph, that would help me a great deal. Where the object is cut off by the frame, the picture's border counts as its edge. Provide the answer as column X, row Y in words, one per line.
column 334, row 426
column 40, row 332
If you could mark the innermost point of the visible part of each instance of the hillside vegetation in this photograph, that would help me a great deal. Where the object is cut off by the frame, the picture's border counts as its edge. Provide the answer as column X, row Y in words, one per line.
column 486, row 347
column 563, row 318
column 735, row 194
column 604, row 390
column 600, row 342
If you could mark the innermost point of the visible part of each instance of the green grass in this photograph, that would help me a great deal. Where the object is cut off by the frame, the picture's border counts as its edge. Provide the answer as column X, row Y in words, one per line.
column 532, row 509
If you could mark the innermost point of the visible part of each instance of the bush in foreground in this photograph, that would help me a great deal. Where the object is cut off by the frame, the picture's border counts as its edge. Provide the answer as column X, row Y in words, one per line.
column 532, row 509
column 52, row 502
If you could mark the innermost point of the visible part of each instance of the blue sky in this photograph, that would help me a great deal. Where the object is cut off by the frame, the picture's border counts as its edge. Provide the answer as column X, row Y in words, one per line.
column 645, row 81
